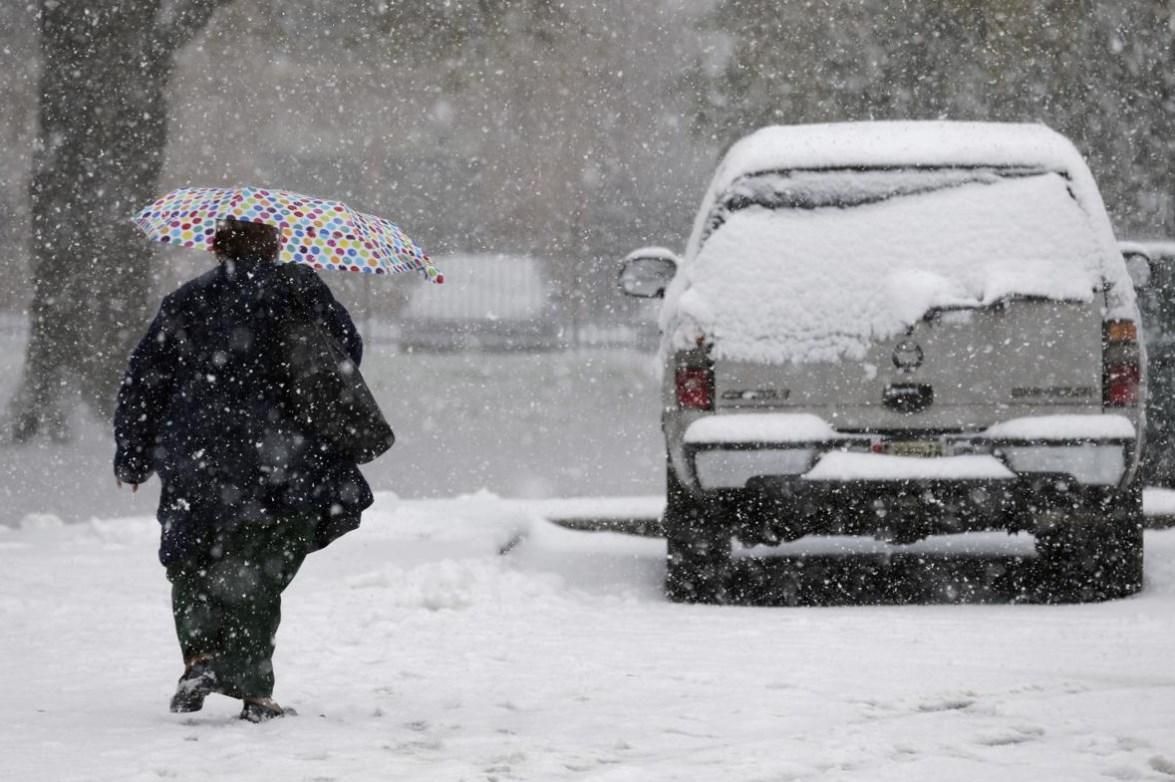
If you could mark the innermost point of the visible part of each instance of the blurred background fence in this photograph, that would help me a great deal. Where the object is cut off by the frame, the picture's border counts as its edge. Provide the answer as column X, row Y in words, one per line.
column 489, row 302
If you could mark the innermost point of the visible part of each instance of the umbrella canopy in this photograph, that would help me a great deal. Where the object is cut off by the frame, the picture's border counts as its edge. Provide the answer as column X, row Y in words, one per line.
column 318, row 232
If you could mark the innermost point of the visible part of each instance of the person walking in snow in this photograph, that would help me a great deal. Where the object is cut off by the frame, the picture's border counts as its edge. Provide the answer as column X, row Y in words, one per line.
column 245, row 494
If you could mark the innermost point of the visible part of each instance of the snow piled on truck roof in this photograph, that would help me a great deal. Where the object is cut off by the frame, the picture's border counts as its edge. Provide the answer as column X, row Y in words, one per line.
column 895, row 144
column 813, row 274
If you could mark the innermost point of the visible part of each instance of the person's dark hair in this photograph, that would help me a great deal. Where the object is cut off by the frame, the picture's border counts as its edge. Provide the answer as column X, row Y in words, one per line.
column 237, row 239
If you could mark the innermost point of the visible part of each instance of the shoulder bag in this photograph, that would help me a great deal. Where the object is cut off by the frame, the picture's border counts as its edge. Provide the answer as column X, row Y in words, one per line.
column 328, row 397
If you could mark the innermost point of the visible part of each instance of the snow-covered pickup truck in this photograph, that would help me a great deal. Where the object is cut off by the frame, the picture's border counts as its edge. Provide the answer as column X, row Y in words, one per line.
column 900, row 329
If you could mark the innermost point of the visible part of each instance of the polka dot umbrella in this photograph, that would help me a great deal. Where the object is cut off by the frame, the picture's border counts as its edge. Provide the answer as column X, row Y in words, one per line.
column 315, row 231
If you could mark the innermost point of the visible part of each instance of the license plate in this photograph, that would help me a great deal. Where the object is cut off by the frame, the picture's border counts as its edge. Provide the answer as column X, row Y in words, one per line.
column 922, row 448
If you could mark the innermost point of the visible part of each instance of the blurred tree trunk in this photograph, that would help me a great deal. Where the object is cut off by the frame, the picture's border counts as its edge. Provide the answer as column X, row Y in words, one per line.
column 98, row 155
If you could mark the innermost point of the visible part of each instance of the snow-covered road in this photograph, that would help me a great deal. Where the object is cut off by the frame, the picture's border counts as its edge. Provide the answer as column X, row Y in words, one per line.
column 415, row 650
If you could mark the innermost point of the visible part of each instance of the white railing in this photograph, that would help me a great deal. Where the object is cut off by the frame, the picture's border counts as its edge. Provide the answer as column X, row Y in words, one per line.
column 14, row 325
column 473, row 335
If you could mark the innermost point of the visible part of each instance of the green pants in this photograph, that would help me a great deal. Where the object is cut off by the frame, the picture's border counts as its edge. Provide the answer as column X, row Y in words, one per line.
column 227, row 602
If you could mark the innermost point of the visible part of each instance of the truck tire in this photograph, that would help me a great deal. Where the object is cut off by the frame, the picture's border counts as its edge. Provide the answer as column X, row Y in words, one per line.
column 1097, row 555
column 697, row 565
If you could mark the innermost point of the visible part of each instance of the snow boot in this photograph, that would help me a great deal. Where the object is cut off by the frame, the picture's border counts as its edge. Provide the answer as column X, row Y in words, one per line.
column 264, row 710
column 198, row 681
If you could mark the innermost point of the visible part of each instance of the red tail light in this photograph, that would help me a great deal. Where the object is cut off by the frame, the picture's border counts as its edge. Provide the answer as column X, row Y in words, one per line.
column 695, row 388
column 1121, row 368
column 1121, row 384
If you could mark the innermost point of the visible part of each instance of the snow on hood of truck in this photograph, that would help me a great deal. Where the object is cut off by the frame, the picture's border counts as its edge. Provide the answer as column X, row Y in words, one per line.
column 815, row 241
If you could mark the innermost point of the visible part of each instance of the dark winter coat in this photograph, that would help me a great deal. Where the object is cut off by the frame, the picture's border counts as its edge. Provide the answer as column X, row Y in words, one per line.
column 203, row 405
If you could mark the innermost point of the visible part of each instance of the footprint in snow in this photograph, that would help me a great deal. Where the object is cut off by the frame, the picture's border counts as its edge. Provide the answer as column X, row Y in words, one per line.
column 947, row 704
column 1017, row 734
column 1162, row 765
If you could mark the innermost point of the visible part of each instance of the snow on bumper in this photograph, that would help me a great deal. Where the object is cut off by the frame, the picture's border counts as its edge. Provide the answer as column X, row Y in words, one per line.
column 726, row 451
column 848, row 466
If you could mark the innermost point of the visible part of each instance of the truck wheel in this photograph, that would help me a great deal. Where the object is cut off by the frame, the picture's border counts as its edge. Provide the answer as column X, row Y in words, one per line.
column 697, row 565
column 1097, row 555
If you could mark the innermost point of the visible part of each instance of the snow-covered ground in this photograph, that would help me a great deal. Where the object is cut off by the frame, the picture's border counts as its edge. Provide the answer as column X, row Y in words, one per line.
column 415, row 649
column 459, row 635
